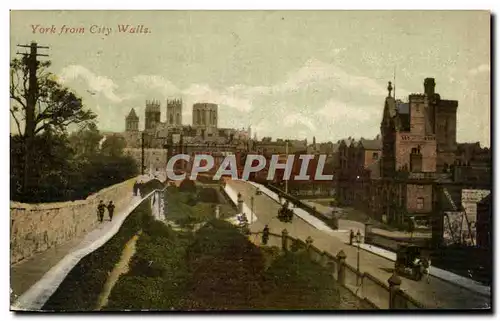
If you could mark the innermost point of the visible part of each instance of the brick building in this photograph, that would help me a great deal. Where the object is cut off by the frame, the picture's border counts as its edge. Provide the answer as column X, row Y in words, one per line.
column 353, row 169
column 419, row 144
column 393, row 177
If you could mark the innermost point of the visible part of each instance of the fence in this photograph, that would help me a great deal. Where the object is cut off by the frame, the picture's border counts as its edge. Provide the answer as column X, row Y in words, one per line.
column 371, row 291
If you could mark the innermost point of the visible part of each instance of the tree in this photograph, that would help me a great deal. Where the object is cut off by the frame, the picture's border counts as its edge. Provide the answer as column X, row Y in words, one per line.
column 85, row 142
column 56, row 106
column 113, row 146
column 39, row 103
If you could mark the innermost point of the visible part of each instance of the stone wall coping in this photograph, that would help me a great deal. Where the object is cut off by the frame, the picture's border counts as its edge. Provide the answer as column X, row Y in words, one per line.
column 56, row 205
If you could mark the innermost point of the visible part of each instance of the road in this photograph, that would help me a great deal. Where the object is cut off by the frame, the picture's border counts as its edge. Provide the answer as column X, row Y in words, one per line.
column 350, row 224
column 435, row 294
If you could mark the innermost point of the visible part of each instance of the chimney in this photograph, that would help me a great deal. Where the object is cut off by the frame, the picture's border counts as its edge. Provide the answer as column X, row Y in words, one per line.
column 416, row 160
column 429, row 86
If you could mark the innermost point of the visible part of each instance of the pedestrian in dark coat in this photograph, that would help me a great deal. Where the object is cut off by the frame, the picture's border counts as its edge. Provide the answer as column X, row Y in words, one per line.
column 136, row 186
column 265, row 235
column 100, row 210
column 111, row 209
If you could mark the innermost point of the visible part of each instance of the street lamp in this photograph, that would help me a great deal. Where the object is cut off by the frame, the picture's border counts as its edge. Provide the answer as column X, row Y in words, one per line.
column 358, row 240
column 251, row 211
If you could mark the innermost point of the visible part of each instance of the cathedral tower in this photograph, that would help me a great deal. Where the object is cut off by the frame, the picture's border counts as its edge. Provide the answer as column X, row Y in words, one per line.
column 132, row 122
column 153, row 114
column 174, row 112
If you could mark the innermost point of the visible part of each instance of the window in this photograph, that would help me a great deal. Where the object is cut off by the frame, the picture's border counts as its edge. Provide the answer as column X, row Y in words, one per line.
column 375, row 156
column 420, row 203
column 420, row 186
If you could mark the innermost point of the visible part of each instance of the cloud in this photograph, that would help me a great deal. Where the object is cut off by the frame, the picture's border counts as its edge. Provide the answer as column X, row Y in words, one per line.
column 203, row 93
column 480, row 69
column 315, row 73
column 338, row 111
column 96, row 83
column 296, row 118
column 158, row 83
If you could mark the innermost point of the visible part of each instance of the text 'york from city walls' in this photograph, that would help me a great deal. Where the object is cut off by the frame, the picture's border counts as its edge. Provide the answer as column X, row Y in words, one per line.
column 101, row 30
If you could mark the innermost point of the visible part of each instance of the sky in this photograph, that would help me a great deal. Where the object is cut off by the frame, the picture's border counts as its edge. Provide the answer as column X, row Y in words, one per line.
column 287, row 74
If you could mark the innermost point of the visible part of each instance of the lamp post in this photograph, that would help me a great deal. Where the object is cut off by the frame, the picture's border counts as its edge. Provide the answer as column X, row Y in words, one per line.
column 251, row 210
column 358, row 240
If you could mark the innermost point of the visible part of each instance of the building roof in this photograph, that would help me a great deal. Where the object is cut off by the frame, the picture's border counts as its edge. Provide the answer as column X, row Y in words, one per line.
column 132, row 114
column 371, row 144
column 403, row 108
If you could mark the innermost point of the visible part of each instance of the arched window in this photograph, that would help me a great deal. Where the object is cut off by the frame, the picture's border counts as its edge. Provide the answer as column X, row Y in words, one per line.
column 171, row 119
column 178, row 121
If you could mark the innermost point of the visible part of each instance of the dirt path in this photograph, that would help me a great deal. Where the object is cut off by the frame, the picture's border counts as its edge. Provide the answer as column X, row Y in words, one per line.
column 120, row 268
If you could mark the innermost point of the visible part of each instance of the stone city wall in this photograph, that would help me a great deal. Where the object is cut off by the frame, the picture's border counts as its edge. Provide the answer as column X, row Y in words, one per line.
column 38, row 227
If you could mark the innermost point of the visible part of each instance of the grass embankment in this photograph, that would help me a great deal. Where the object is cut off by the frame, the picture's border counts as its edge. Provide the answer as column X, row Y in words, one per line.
column 189, row 206
column 218, row 268
column 81, row 288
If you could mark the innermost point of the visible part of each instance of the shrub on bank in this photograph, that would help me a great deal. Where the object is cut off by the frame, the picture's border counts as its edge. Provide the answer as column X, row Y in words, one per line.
column 225, row 268
column 295, row 282
column 149, row 186
column 157, row 272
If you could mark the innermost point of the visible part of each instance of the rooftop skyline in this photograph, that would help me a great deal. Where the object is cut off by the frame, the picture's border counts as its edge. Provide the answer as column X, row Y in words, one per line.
column 287, row 74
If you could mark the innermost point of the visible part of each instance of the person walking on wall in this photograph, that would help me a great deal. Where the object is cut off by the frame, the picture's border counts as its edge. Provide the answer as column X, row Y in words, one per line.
column 100, row 210
column 111, row 209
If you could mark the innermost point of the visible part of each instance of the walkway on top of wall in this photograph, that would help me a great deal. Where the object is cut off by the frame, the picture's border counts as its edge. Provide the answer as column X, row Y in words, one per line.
column 434, row 271
column 38, row 277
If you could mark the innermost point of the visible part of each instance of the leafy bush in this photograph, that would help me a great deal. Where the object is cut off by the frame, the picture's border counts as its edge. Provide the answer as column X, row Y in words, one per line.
column 187, row 185
column 149, row 186
column 208, row 195
column 226, row 268
column 158, row 273
column 59, row 173
column 137, row 293
column 293, row 281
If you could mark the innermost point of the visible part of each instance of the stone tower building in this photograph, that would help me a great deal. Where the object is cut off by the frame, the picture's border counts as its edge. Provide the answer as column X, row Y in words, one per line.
column 205, row 118
column 418, row 135
column 174, row 112
column 132, row 122
column 152, row 114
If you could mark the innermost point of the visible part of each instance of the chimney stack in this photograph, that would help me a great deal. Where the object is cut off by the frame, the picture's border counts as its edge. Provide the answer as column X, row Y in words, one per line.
column 429, row 86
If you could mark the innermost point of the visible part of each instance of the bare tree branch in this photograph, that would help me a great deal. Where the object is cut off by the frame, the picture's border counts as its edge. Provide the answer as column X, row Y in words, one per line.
column 17, row 123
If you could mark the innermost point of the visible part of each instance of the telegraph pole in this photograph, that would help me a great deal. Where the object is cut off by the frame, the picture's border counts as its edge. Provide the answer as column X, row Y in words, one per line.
column 32, row 96
column 286, row 180
column 142, row 153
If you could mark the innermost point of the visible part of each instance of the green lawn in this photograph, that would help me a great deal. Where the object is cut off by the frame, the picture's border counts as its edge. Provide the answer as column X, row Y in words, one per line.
column 191, row 207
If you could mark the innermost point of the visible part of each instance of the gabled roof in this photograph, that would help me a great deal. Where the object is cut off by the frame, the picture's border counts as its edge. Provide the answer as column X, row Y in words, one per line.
column 132, row 114
column 371, row 144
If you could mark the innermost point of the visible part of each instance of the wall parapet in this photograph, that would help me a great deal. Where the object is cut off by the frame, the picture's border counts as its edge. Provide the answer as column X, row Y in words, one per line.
column 38, row 227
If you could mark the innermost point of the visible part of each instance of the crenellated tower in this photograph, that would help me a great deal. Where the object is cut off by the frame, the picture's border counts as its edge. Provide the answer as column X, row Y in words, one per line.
column 174, row 112
column 152, row 114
